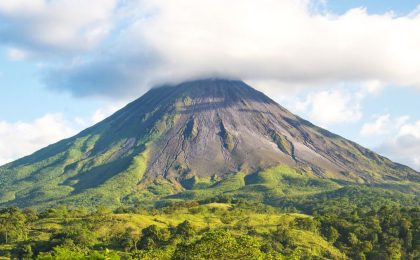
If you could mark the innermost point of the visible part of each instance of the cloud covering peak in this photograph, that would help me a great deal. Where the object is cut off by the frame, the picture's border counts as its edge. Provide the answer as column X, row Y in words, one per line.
column 118, row 47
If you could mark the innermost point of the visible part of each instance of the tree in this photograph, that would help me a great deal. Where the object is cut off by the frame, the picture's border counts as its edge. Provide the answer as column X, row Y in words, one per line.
column 22, row 251
column 185, row 230
column 393, row 250
column 153, row 237
column 220, row 245
column 248, row 248
column 78, row 233
column 306, row 224
column 12, row 225
column 161, row 253
column 365, row 247
column 227, row 218
column 30, row 216
column 331, row 234
column 352, row 239
column 283, row 236
column 66, row 250
column 128, row 240
column 406, row 233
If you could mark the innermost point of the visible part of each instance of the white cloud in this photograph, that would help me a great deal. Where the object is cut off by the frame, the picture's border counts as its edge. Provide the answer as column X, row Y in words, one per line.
column 102, row 113
column 384, row 124
column 280, row 40
column 340, row 103
column 380, row 126
column 411, row 129
column 22, row 138
column 49, row 26
column 331, row 106
column 293, row 42
column 373, row 87
column 401, row 138
column 15, row 54
column 19, row 139
column 404, row 147
column 334, row 107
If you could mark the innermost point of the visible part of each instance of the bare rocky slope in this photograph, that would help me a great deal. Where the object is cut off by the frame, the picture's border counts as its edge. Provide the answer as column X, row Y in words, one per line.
column 205, row 129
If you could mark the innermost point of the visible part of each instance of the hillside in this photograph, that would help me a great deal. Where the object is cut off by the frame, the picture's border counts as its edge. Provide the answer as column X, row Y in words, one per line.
column 235, row 229
column 196, row 140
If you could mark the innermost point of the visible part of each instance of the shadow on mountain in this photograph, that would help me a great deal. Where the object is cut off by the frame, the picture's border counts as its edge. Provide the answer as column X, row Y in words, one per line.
column 97, row 175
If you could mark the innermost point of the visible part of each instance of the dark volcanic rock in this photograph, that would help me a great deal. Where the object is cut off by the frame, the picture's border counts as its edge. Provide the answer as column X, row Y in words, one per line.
column 225, row 126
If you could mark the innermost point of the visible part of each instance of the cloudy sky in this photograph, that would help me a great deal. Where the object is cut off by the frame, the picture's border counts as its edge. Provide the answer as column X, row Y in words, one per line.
column 352, row 67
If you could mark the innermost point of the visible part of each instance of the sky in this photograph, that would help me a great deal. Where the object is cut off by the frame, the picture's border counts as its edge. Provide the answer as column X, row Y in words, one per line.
column 351, row 66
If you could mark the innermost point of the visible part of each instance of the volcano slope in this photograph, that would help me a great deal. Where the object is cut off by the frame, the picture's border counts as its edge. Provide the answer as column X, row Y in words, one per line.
column 195, row 140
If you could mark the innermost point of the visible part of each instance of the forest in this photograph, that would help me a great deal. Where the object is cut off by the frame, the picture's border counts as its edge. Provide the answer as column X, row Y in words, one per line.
column 222, row 227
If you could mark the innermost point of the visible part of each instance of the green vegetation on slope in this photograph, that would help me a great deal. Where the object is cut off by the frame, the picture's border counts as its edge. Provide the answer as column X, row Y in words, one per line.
column 115, row 188
column 193, row 230
column 91, row 183
column 339, row 221
column 265, row 186
column 96, row 167
column 154, row 150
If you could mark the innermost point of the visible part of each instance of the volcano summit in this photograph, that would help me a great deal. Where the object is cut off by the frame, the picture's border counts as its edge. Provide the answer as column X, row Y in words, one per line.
column 194, row 136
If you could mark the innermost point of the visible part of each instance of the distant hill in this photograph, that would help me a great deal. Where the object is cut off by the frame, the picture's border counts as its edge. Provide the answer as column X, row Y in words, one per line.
column 196, row 140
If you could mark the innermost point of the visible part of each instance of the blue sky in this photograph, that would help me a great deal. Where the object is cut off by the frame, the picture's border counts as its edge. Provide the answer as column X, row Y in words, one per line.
column 348, row 66
column 373, row 6
column 23, row 97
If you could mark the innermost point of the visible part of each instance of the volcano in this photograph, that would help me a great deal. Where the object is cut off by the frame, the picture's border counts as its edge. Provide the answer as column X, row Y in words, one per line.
column 172, row 137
